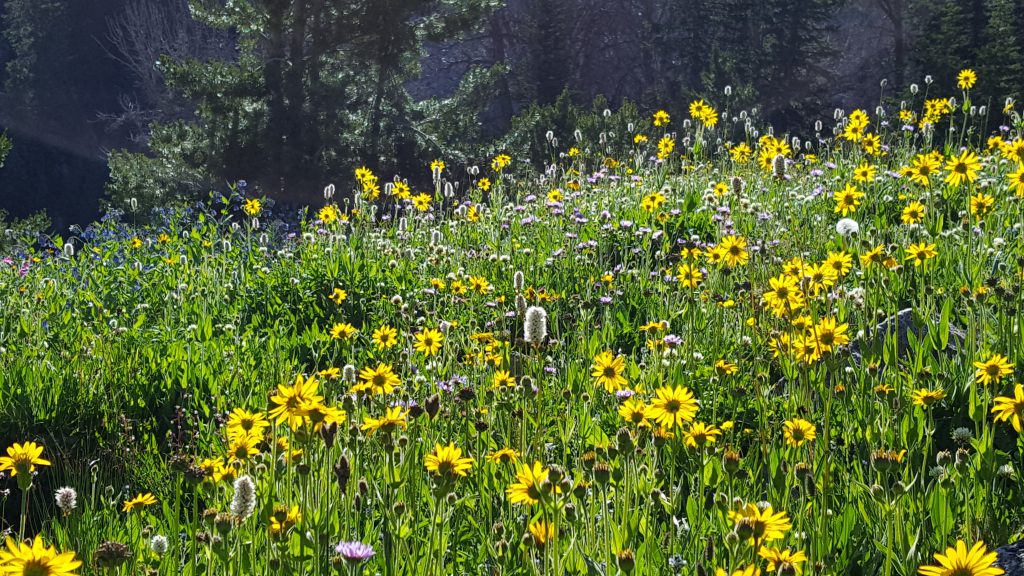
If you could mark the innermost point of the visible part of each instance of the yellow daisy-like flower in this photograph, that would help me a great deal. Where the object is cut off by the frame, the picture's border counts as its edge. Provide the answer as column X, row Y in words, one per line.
column 22, row 459
column 1016, row 181
column 527, row 489
column 392, row 419
column 783, row 558
column 338, row 296
column 291, row 402
column 635, row 412
column 607, row 371
column 760, row 525
column 966, row 79
column 244, row 446
column 139, row 502
column 963, row 168
column 503, row 379
column 242, row 422
column 689, row 276
column 913, row 213
column 343, row 331
column 379, row 380
column 252, row 207
column 992, row 370
column 920, row 253
column 36, row 559
column 503, row 456
column 672, row 407
column 542, row 532
column 925, row 398
column 959, row 561
column 981, row 204
column 798, row 432
column 847, row 199
column 734, row 250
column 329, row 214
column 384, row 337
column 865, row 172
column 1009, row 409
column 428, row 341
column 661, row 118
column 447, row 461
column 701, row 435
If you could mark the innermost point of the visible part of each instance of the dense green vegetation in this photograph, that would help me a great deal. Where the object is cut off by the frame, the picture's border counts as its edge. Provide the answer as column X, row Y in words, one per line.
column 663, row 353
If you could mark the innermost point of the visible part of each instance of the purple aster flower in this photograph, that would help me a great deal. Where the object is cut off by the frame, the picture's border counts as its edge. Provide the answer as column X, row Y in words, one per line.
column 624, row 394
column 354, row 551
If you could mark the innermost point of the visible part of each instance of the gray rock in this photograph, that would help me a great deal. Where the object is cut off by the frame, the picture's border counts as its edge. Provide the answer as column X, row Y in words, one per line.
column 899, row 326
column 1011, row 558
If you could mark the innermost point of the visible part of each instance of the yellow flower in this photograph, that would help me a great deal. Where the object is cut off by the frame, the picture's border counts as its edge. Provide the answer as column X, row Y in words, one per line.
column 913, row 213
column 140, row 501
column 672, row 407
column 785, row 295
column 379, row 380
column 740, row 153
column 782, row 558
column 689, row 276
column 385, row 337
column 607, row 371
column 981, row 204
column 1009, row 409
column 342, row 331
column 503, row 456
column 291, row 402
column 865, row 172
column 661, row 118
column 798, row 431
column 241, row 422
column 244, row 446
column 527, row 490
column 328, row 214
column 925, row 398
column 479, row 284
column 847, row 199
column 421, row 202
column 22, row 459
column 922, row 168
column 502, row 378
column 963, row 168
column 338, row 296
column 829, row 334
column 448, row 461
column 499, row 162
column 960, row 561
column 734, row 250
column 725, row 368
column 652, row 201
column 428, row 341
column 992, row 370
column 753, row 523
column 36, row 560
column 393, row 418
column 484, row 184
column 920, row 253
column 966, row 79
column 252, row 207
column 543, row 532
column 635, row 412
column 1016, row 180
column 665, row 147
column 437, row 166
column 700, row 435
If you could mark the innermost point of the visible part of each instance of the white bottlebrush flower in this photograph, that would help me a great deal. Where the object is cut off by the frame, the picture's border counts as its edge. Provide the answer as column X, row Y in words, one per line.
column 536, row 325
column 244, row 501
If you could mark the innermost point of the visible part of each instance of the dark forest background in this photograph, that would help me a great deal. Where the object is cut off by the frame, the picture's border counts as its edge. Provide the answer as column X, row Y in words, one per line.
column 153, row 100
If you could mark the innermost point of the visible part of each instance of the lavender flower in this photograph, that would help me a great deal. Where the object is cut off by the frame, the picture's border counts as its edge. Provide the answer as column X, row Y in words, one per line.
column 354, row 552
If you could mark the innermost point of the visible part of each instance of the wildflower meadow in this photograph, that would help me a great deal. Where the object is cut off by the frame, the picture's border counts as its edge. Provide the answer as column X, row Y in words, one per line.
column 684, row 345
